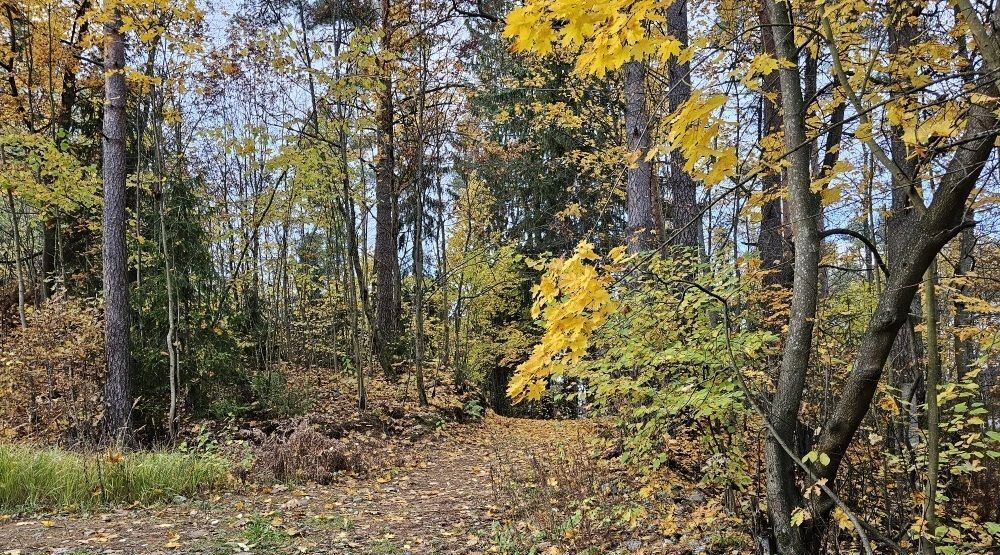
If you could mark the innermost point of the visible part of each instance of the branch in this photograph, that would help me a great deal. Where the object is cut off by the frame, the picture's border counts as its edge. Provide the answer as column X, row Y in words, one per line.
column 865, row 542
column 877, row 151
column 860, row 237
column 479, row 13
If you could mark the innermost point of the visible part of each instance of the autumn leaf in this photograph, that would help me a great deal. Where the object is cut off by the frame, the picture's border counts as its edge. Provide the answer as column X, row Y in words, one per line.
column 173, row 541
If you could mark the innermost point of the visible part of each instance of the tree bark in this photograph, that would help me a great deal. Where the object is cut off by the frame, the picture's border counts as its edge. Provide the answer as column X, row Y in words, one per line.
column 906, row 349
column 18, row 261
column 117, row 388
column 782, row 490
column 942, row 220
column 639, row 180
column 965, row 349
column 931, row 381
column 387, row 298
column 418, row 230
column 775, row 254
column 684, row 212
column 171, row 339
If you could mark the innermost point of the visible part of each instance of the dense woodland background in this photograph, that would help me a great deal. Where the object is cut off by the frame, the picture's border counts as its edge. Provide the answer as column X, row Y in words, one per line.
column 755, row 243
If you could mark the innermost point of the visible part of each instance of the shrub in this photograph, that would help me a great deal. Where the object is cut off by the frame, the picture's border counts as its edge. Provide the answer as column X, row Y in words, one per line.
column 275, row 397
column 49, row 478
column 51, row 374
column 306, row 455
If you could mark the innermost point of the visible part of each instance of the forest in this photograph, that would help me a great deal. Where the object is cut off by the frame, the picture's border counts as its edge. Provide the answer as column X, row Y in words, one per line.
column 516, row 277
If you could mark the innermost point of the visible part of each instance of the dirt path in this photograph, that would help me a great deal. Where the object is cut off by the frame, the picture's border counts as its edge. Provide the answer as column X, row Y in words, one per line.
column 438, row 499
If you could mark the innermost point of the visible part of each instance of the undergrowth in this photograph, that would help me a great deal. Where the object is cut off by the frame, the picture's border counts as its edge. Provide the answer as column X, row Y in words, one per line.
column 48, row 478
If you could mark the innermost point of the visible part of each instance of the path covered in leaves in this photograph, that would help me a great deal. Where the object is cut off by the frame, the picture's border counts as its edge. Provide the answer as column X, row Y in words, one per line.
column 437, row 498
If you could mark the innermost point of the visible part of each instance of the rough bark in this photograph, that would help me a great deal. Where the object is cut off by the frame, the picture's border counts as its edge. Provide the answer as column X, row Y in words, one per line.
column 906, row 350
column 684, row 212
column 117, row 388
column 639, row 181
column 387, row 301
column 928, row 234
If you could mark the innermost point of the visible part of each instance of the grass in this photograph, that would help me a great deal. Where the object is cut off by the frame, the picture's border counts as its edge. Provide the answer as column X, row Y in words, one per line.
column 335, row 521
column 49, row 478
column 261, row 533
column 385, row 546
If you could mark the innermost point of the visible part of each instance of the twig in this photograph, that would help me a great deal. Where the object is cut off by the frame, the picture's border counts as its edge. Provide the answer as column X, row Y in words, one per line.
column 865, row 542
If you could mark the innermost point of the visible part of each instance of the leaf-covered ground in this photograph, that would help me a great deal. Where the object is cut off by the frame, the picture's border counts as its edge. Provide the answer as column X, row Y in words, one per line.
column 436, row 496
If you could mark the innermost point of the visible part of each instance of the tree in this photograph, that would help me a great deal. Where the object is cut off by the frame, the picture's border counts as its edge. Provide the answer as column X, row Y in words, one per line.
column 684, row 208
column 639, row 189
column 387, row 276
column 772, row 238
column 117, row 389
column 782, row 487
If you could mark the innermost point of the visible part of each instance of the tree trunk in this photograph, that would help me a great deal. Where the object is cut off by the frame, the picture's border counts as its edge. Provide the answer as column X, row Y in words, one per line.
column 906, row 349
column 49, row 229
column 117, row 388
column 775, row 256
column 171, row 339
column 931, row 381
column 685, row 213
column 782, row 489
column 639, row 189
column 939, row 224
column 418, row 232
column 418, row 298
column 18, row 260
column 387, row 302
column 965, row 349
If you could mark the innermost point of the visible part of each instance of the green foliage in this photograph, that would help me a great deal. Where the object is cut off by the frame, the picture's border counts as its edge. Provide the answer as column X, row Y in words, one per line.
column 660, row 361
column 207, row 340
column 473, row 409
column 275, row 397
column 386, row 546
column 50, row 478
column 508, row 541
column 46, row 175
column 968, row 448
column 664, row 365
column 261, row 533
column 495, row 331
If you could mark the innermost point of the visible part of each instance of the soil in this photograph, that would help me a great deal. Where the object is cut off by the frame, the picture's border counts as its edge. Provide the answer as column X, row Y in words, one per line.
column 436, row 497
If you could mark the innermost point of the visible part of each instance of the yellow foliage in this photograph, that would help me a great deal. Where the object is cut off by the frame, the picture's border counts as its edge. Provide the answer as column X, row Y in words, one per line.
column 606, row 34
column 573, row 300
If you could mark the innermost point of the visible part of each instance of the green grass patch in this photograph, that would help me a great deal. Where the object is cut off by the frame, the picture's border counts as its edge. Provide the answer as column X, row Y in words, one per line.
column 261, row 533
column 49, row 478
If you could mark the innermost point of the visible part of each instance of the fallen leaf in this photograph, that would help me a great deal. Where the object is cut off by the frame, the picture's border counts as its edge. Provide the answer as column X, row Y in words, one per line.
column 173, row 541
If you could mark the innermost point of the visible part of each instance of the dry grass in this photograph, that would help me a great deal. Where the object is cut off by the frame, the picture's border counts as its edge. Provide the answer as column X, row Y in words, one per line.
column 305, row 456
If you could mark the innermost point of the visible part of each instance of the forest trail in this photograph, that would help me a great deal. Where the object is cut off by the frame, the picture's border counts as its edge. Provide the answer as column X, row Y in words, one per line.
column 437, row 498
